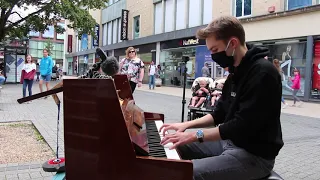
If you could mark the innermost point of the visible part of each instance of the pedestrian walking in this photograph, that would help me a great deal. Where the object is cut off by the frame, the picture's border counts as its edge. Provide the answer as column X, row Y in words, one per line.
column 27, row 75
column 152, row 73
column 38, row 71
column 133, row 67
column 296, row 87
column 276, row 63
column 46, row 65
column 205, row 70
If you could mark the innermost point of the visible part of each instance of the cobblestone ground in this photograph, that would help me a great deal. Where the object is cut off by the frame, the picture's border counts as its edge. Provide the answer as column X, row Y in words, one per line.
column 299, row 158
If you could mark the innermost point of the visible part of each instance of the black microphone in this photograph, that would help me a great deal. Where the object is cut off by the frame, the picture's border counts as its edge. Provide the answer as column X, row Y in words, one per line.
column 101, row 54
column 110, row 66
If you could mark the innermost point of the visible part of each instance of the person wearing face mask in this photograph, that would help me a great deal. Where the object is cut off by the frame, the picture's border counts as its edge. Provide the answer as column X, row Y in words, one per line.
column 247, row 135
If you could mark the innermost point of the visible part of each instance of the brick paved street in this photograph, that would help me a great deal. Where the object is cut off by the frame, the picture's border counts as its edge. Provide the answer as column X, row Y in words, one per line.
column 299, row 159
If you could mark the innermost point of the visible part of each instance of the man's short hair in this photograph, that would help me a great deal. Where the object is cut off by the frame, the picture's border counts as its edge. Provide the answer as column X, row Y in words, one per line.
column 223, row 28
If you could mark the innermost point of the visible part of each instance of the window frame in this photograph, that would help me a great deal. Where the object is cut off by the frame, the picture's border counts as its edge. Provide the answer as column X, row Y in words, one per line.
column 235, row 9
column 287, row 5
column 133, row 27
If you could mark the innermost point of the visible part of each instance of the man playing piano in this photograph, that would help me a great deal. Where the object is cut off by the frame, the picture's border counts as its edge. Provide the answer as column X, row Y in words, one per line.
column 246, row 137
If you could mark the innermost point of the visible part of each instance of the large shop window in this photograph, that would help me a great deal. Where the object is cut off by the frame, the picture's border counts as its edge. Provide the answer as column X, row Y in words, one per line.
column 119, row 30
column 207, row 11
column 169, row 14
column 158, row 17
column 109, row 32
column 104, row 34
column 294, row 4
column 172, row 66
column 181, row 14
column 115, row 30
column 136, row 27
column 291, row 56
column 194, row 13
column 242, row 8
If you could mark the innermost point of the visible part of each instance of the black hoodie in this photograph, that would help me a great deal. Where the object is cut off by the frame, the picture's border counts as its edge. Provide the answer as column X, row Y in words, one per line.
column 248, row 112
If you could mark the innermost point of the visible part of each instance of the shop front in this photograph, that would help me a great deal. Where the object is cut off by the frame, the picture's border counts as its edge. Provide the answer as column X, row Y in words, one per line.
column 85, row 62
column 291, row 54
column 172, row 66
column 315, row 90
column 146, row 52
column 14, row 58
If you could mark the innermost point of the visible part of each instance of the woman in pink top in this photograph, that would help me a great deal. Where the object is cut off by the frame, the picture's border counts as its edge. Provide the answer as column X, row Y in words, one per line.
column 296, row 86
column 27, row 75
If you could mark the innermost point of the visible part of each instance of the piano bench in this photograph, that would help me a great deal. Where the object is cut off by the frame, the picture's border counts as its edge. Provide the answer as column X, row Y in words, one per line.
column 272, row 176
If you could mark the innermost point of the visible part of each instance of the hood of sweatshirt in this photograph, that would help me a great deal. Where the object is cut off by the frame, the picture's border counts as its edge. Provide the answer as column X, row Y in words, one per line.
column 253, row 54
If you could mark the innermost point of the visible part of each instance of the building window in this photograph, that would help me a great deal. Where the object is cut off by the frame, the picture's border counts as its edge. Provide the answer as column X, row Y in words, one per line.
column 158, row 18
column 136, row 27
column 243, row 8
column 169, row 14
column 194, row 13
column 109, row 25
column 295, row 4
column 180, row 14
column 115, row 31
column 119, row 30
column 104, row 34
column 207, row 11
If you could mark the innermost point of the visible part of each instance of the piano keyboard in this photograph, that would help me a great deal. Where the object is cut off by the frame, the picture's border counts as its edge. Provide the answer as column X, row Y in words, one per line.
column 154, row 139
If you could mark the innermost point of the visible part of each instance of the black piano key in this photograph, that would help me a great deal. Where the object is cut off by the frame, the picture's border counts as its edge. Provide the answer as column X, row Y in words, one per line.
column 155, row 148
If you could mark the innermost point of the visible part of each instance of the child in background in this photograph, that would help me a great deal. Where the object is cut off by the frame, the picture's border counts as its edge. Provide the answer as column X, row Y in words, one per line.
column 200, row 93
column 216, row 94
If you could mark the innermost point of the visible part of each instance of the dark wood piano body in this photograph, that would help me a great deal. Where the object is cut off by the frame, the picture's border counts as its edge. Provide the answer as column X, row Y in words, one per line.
column 98, row 144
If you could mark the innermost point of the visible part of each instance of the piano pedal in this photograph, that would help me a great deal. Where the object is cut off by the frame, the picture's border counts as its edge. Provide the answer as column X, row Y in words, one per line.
column 54, row 165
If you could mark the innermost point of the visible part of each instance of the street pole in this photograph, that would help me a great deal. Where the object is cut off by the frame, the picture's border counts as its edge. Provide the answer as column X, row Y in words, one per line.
column 185, row 59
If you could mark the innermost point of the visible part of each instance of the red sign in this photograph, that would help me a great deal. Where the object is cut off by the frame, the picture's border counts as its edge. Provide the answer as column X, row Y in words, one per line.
column 69, row 43
column 316, row 67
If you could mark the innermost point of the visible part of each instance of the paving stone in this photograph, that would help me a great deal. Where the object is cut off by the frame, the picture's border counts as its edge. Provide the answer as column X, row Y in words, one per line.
column 35, row 175
column 24, row 176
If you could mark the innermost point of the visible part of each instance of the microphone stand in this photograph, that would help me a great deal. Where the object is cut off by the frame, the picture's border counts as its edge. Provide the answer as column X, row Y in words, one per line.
column 185, row 59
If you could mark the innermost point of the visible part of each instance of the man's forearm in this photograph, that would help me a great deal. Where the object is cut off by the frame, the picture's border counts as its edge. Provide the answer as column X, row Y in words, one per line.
column 212, row 134
column 204, row 121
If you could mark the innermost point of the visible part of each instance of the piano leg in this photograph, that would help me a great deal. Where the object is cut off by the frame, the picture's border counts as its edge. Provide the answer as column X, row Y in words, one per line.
column 59, row 176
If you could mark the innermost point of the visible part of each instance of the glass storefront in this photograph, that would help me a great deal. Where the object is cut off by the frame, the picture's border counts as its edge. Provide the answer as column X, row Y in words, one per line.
column 172, row 66
column 291, row 56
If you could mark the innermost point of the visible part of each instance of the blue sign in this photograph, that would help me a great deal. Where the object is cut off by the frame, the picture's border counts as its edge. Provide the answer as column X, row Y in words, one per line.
column 95, row 41
column 203, row 55
column 84, row 41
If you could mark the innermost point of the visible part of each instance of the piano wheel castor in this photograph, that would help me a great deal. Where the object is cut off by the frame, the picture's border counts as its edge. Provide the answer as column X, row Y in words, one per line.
column 54, row 165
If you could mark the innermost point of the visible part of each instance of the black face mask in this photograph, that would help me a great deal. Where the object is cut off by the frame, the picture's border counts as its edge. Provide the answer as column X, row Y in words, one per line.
column 223, row 59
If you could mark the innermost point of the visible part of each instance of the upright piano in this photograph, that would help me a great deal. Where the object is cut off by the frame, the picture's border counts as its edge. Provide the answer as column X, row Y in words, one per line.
column 107, row 136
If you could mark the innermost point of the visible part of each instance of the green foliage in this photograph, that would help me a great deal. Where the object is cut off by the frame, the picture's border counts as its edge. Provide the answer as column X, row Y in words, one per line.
column 49, row 46
column 44, row 13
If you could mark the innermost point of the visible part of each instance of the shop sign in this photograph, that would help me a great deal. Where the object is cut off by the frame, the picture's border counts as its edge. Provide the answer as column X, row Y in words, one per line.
column 69, row 43
column 190, row 42
column 95, row 41
column 185, row 42
column 124, row 24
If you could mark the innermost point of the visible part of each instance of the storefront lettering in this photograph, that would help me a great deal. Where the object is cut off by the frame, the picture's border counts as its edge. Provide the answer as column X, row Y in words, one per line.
column 190, row 42
column 124, row 24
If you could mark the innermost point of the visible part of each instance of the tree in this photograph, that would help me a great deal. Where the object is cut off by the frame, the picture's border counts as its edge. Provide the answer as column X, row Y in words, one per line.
column 46, row 13
column 49, row 46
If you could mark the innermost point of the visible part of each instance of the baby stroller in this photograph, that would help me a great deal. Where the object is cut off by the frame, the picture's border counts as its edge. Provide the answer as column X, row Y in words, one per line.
column 197, row 112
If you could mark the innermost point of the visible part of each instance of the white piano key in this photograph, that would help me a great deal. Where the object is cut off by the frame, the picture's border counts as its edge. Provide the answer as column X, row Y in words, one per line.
column 171, row 154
